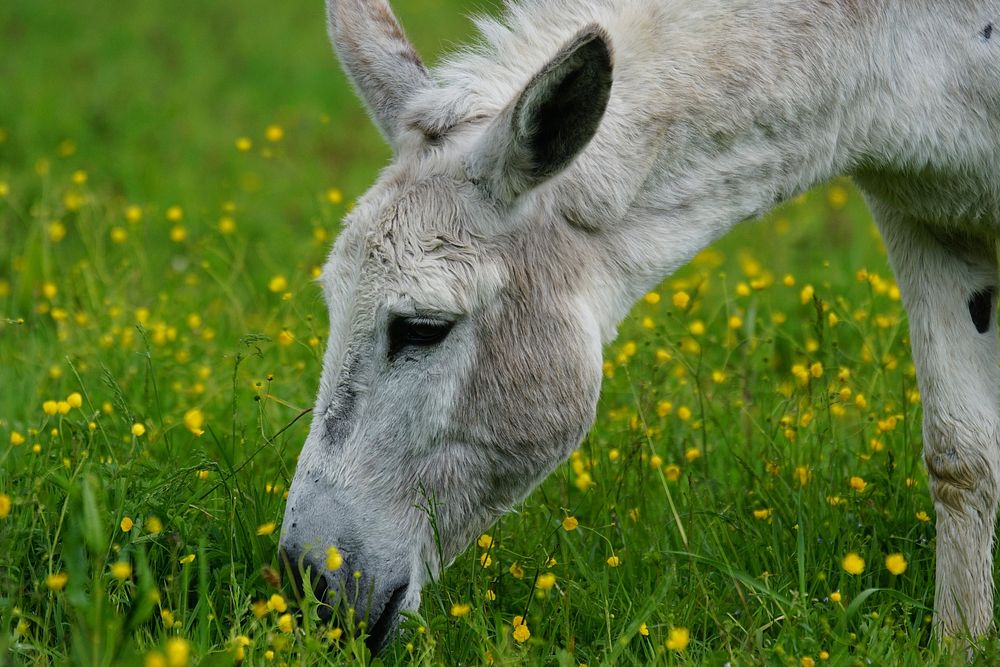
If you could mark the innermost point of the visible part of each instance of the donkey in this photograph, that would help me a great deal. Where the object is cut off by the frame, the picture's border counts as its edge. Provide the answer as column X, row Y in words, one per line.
column 546, row 178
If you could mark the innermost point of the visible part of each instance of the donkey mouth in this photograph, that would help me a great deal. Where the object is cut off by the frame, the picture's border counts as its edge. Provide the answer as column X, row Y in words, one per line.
column 382, row 629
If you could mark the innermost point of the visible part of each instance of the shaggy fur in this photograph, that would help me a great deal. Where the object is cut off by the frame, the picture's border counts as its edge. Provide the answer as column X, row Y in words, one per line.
column 548, row 176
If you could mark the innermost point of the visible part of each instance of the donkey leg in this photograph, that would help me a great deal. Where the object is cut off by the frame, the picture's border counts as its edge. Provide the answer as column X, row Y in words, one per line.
column 949, row 287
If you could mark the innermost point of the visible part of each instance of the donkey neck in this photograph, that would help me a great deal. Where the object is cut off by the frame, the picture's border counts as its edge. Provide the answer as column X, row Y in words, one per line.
column 741, row 107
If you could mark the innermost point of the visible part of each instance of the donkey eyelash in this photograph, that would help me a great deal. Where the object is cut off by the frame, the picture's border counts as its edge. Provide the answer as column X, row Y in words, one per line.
column 410, row 332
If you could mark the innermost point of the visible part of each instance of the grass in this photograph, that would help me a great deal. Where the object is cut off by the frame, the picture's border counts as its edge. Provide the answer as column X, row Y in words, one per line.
column 759, row 421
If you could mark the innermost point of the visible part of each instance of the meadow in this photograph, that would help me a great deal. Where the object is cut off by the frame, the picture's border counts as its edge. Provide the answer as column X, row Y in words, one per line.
column 172, row 175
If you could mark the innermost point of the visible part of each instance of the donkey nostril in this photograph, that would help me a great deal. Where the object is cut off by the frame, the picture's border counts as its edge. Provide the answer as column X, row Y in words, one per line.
column 378, row 636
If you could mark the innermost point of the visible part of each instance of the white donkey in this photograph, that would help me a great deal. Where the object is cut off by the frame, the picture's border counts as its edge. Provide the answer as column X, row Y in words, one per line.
column 546, row 178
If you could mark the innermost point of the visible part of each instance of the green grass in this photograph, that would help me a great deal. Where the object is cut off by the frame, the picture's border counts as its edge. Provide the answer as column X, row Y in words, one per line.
column 140, row 105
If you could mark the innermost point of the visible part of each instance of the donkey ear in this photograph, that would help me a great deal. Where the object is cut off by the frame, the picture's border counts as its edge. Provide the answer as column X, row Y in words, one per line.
column 382, row 64
column 551, row 121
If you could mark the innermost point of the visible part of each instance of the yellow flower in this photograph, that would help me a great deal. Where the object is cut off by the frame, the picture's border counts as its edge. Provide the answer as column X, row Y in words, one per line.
column 154, row 525
column 521, row 632
column 274, row 133
column 516, row 570
column 50, row 408
column 853, row 564
column 133, row 213
column 121, row 570
column 175, row 214
column 614, row 561
column 334, row 196
column 485, row 560
column 227, row 225
column 178, row 652
column 16, row 439
column 803, row 475
column 167, row 617
column 154, row 659
column 63, row 407
column 278, row 284
column 178, row 234
column 692, row 454
column 333, row 634
column 485, row 541
column 546, row 581
column 138, row 429
column 277, row 603
column 652, row 298
column 858, row 484
column 678, row 639
column 57, row 231
column 490, row 595
column 806, row 295
column 334, row 561
column 835, row 596
column 56, row 581
column 644, row 630
column 266, row 528
column 681, row 300
column 186, row 560
column 672, row 472
column 285, row 623
column 697, row 328
column 570, row 523
column 922, row 516
column 460, row 609
column 824, row 655
column 816, row 370
column 807, row 661
column 75, row 400
column 896, row 563
column 836, row 196
column 119, row 235
column 194, row 420
column 584, row 481
column 126, row 524
column 241, row 642
column 684, row 413
column 243, row 144
column 763, row 514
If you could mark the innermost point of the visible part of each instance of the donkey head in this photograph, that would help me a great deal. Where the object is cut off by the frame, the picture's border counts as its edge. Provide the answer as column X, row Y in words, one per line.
column 464, row 359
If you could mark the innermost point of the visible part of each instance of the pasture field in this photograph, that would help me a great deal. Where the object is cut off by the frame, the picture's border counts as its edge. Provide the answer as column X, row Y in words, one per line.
column 172, row 175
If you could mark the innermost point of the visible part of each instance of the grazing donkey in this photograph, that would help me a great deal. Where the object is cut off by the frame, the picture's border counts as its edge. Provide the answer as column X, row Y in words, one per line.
column 546, row 178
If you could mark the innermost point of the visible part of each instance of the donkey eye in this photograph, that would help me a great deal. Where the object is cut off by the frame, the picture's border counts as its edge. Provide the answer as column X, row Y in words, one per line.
column 407, row 332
